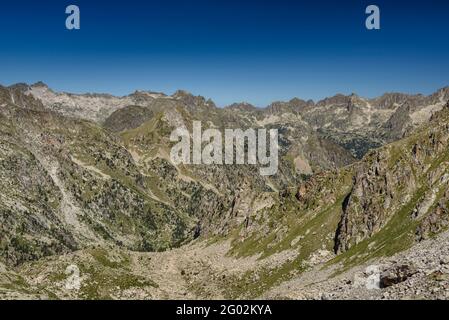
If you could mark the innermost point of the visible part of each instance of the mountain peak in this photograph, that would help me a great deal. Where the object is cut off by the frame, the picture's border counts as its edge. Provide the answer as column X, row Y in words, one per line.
column 40, row 84
column 243, row 106
column 297, row 102
column 193, row 101
column 336, row 99
column 20, row 86
column 179, row 94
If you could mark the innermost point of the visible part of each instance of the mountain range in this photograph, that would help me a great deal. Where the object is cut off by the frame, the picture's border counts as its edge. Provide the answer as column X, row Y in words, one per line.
column 87, row 180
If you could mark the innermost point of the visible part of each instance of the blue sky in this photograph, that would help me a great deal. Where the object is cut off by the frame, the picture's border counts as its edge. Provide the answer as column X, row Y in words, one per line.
column 230, row 51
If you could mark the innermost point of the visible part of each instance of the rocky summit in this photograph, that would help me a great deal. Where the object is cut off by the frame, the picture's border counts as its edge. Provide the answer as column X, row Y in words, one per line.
column 93, row 207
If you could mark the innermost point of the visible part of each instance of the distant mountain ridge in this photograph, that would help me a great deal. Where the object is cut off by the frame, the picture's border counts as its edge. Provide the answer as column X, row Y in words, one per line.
column 353, row 122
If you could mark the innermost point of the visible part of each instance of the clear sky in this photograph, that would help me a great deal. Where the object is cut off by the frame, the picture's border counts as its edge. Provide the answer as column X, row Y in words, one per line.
column 230, row 51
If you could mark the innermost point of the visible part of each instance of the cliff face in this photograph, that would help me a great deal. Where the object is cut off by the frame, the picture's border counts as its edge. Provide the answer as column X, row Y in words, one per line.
column 409, row 178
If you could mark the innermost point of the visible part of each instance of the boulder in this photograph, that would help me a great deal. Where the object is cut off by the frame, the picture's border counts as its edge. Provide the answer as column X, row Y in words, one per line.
column 396, row 274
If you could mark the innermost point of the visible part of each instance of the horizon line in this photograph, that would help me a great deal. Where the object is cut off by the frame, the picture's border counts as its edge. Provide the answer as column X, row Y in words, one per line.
column 314, row 101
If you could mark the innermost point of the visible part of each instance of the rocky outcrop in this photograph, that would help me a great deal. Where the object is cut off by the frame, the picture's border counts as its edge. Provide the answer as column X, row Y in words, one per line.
column 436, row 221
column 407, row 180
column 365, row 210
column 396, row 125
column 396, row 274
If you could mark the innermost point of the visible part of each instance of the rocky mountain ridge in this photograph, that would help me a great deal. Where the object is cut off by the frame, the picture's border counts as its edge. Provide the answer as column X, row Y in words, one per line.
column 80, row 172
column 357, row 124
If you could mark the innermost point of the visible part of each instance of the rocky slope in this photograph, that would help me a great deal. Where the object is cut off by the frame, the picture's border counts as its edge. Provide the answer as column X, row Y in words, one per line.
column 87, row 180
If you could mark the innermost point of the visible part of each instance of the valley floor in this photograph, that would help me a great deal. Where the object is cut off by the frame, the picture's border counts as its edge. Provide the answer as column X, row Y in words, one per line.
column 205, row 271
